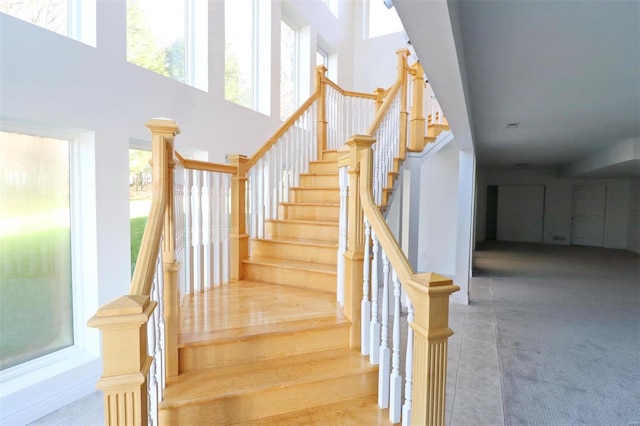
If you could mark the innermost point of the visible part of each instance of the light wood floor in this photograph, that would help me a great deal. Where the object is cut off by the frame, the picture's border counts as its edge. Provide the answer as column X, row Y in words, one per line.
column 247, row 310
column 238, row 308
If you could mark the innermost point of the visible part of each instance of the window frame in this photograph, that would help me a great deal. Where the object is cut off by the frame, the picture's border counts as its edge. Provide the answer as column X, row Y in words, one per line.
column 31, row 390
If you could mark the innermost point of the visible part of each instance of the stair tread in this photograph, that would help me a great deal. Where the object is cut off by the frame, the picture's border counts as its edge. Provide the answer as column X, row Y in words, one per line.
column 253, row 331
column 303, row 203
column 222, row 382
column 293, row 264
column 315, row 188
column 298, row 240
column 324, row 222
column 320, row 174
column 351, row 412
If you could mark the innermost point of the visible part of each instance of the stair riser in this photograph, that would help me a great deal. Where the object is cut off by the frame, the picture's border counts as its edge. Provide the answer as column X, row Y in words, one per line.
column 323, row 167
column 309, row 253
column 330, row 155
column 324, row 232
column 312, row 280
column 322, row 181
column 304, row 212
column 268, row 346
column 272, row 401
column 302, row 195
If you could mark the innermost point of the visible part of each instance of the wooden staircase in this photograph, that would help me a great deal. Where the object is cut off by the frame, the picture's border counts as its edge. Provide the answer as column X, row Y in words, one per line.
column 274, row 348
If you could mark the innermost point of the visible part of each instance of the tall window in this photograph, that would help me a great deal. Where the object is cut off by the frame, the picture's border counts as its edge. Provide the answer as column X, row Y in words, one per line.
column 288, row 70
column 332, row 5
column 247, row 50
column 35, row 248
column 322, row 57
column 169, row 37
column 71, row 18
column 382, row 21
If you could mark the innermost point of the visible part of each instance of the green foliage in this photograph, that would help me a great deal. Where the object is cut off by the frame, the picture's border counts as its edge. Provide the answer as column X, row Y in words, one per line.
column 139, row 168
column 144, row 50
column 235, row 90
column 137, row 229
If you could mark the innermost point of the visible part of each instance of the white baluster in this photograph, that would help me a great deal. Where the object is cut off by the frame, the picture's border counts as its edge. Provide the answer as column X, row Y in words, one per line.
column 226, row 226
column 207, row 230
column 395, row 396
column 342, row 232
column 408, row 384
column 188, row 224
column 374, row 353
column 365, row 305
column 216, row 207
column 385, row 355
column 196, row 230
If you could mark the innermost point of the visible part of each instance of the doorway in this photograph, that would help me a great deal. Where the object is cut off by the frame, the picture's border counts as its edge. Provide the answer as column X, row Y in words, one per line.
column 588, row 214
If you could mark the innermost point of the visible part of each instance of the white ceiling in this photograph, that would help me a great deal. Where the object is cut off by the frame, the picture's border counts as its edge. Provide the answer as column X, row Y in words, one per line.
column 567, row 71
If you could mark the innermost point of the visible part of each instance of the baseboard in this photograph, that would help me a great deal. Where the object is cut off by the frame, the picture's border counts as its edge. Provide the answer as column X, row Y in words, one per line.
column 55, row 390
column 460, row 298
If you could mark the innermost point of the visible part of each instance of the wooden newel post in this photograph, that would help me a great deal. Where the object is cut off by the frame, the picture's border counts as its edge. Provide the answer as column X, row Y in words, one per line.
column 125, row 363
column 416, row 138
column 429, row 294
column 238, row 238
column 166, row 130
column 321, row 118
column 379, row 97
column 402, row 75
column 354, row 256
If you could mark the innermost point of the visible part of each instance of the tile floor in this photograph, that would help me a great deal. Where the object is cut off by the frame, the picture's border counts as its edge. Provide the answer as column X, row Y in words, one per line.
column 474, row 391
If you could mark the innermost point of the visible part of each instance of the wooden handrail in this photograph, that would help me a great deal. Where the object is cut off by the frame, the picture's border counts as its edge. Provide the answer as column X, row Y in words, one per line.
column 205, row 165
column 388, row 242
column 347, row 92
column 388, row 100
column 150, row 245
column 390, row 94
column 281, row 130
column 429, row 294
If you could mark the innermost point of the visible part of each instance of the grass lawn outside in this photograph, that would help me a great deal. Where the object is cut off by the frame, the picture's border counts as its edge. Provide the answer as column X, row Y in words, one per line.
column 35, row 291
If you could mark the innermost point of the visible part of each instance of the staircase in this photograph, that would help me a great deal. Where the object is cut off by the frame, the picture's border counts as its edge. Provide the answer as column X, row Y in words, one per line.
column 274, row 348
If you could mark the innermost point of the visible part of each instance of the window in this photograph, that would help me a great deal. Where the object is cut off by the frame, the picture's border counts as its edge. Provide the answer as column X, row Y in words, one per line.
column 322, row 57
column 139, row 198
column 169, row 37
column 382, row 21
column 288, row 70
column 332, row 5
column 35, row 248
column 247, row 73
column 71, row 18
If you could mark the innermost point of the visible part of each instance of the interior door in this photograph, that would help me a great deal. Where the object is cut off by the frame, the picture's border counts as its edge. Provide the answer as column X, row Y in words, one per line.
column 520, row 213
column 587, row 225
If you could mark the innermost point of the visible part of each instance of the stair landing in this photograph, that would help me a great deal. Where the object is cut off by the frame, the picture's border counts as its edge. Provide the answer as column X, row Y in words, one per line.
column 269, row 354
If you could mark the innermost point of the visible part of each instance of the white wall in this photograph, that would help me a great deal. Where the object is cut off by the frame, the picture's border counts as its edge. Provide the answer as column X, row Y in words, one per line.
column 558, row 203
column 633, row 224
column 438, row 211
column 376, row 59
column 51, row 82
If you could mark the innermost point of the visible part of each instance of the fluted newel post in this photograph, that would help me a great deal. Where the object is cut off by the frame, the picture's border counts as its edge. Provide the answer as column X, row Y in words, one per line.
column 354, row 255
column 321, row 88
column 429, row 294
column 125, row 363
column 168, row 129
column 238, row 237
column 417, row 133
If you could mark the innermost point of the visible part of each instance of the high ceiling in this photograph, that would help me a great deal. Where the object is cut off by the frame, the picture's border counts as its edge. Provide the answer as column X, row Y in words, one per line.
column 567, row 72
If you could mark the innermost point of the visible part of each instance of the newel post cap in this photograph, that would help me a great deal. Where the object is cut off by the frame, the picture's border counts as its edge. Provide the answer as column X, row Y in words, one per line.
column 163, row 125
